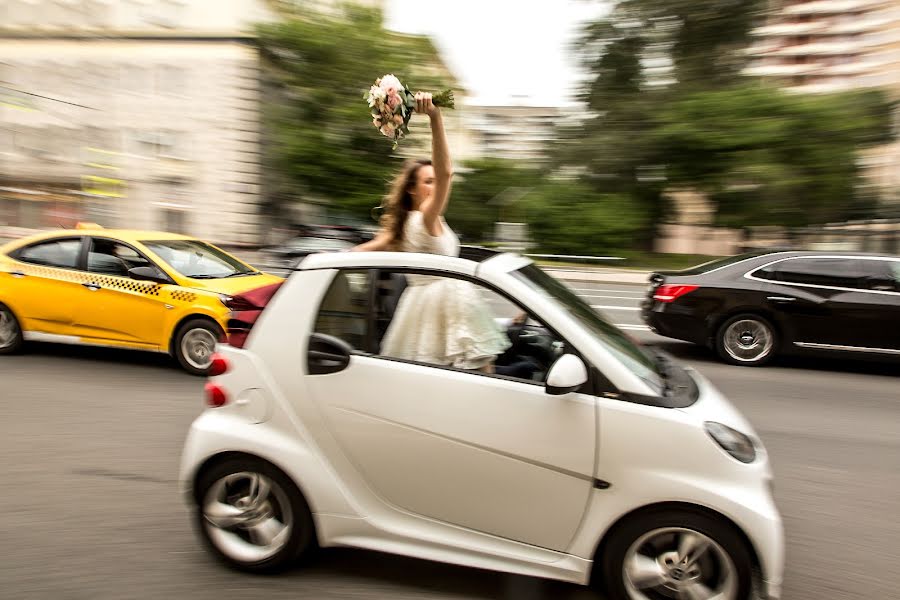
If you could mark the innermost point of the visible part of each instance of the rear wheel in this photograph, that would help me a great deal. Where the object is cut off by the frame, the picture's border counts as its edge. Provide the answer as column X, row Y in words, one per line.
column 747, row 339
column 253, row 517
column 10, row 331
column 195, row 344
column 677, row 554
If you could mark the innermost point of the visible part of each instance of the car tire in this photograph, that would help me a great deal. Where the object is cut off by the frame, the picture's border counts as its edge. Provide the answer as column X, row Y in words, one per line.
column 11, row 338
column 747, row 340
column 236, row 523
column 195, row 343
column 643, row 559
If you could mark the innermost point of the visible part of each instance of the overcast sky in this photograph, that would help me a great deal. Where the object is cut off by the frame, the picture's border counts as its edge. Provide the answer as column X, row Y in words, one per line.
column 501, row 50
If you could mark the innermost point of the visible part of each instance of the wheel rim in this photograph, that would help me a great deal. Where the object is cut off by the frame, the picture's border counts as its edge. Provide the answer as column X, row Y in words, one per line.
column 678, row 563
column 248, row 516
column 9, row 329
column 748, row 340
column 197, row 347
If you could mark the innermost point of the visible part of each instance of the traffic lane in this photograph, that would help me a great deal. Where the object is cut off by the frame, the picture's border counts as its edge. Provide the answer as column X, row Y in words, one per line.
column 832, row 432
column 92, row 451
column 94, row 438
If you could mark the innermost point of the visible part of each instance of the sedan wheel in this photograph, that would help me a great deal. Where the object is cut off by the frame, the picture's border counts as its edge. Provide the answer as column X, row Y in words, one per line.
column 10, row 331
column 746, row 340
column 195, row 344
column 675, row 556
column 253, row 517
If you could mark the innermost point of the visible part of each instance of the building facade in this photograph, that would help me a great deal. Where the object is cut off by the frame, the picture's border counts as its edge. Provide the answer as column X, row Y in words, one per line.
column 823, row 46
column 131, row 113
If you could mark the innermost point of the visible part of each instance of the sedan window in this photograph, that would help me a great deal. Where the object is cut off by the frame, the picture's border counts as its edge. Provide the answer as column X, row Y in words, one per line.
column 826, row 271
column 56, row 253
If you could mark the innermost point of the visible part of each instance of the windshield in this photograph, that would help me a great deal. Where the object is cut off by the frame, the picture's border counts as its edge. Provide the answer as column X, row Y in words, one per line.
column 197, row 260
column 640, row 362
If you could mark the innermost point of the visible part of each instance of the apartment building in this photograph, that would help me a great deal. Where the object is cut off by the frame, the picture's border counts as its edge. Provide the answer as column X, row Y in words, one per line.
column 131, row 113
column 822, row 46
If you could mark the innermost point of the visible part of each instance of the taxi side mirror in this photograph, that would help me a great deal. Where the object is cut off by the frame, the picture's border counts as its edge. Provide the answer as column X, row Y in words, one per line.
column 147, row 274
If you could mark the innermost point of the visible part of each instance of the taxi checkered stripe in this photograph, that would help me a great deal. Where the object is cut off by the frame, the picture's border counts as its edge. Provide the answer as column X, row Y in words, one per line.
column 121, row 283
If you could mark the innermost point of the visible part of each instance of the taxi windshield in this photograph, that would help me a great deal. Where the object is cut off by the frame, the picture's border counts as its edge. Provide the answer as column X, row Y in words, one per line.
column 197, row 260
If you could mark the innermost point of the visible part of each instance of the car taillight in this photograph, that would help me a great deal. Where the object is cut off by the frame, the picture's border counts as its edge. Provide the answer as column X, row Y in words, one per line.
column 218, row 365
column 670, row 293
column 215, row 395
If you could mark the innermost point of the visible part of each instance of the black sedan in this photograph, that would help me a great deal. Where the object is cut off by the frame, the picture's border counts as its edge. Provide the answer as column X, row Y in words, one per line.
column 753, row 306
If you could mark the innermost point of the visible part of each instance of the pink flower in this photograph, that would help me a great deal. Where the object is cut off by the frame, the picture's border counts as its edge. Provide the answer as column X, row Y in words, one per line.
column 398, row 119
column 388, row 129
column 393, row 100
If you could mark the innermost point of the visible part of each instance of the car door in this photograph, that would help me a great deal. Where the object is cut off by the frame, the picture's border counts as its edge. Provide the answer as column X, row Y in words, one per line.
column 112, row 306
column 490, row 453
column 43, row 283
column 814, row 298
column 878, row 314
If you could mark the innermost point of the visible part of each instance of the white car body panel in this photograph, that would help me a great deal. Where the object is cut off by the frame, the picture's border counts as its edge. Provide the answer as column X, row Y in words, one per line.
column 476, row 470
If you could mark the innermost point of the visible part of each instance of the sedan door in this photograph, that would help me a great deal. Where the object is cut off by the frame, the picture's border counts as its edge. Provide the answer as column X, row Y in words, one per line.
column 114, row 307
column 488, row 453
column 42, row 285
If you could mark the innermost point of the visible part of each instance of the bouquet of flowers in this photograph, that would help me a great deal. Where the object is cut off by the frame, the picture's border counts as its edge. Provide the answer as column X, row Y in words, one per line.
column 392, row 106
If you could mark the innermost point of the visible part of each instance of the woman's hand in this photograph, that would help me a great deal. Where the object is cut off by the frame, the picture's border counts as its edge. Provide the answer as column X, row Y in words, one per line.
column 425, row 105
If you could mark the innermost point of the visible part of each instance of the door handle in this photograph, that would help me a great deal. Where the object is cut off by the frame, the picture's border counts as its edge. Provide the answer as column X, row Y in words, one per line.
column 91, row 286
column 781, row 298
column 327, row 354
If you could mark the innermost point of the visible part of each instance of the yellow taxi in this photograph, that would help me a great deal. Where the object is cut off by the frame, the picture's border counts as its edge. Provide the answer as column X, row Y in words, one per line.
column 143, row 290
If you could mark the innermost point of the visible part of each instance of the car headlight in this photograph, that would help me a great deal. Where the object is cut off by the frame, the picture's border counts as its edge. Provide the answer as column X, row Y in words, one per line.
column 732, row 441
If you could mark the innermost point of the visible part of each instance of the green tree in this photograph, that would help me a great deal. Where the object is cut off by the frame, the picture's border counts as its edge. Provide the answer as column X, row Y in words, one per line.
column 320, row 142
column 769, row 157
column 570, row 217
column 489, row 190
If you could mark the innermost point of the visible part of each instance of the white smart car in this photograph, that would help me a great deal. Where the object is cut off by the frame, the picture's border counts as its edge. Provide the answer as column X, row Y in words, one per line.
column 586, row 457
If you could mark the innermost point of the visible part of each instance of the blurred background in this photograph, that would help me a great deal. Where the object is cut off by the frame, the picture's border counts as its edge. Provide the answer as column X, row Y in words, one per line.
column 656, row 132
column 632, row 128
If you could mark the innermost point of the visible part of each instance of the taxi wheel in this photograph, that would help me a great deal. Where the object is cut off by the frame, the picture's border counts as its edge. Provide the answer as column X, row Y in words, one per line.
column 195, row 344
column 10, row 331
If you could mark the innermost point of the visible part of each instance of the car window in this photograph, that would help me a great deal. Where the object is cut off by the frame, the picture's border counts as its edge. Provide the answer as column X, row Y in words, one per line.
column 721, row 262
column 832, row 272
column 56, row 253
column 882, row 275
column 344, row 310
column 631, row 354
column 113, row 258
column 440, row 321
column 196, row 259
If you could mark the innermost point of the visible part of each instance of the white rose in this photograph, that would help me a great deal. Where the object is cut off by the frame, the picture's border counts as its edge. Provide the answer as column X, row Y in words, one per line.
column 389, row 82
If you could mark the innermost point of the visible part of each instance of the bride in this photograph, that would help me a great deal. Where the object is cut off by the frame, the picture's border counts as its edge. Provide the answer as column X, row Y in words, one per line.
column 439, row 320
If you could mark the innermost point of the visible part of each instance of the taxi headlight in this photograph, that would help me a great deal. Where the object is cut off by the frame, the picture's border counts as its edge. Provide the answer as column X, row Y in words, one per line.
column 732, row 441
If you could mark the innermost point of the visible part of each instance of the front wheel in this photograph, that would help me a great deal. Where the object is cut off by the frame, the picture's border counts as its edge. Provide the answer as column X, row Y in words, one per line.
column 195, row 344
column 674, row 554
column 747, row 340
column 253, row 517
column 10, row 331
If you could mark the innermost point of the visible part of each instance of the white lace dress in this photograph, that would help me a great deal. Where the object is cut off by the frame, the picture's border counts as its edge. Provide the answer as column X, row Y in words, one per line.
column 441, row 320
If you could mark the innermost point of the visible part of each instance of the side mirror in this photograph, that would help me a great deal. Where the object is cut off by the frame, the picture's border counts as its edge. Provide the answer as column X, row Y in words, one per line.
column 147, row 274
column 566, row 375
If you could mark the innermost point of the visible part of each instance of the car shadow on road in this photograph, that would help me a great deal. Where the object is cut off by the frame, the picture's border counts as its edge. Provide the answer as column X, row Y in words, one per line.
column 437, row 578
column 101, row 354
column 845, row 363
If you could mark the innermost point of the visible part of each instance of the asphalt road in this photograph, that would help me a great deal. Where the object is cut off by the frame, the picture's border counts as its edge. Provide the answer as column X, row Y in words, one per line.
column 91, row 440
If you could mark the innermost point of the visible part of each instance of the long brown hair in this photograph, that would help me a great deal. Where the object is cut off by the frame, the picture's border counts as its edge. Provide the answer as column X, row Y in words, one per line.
column 399, row 201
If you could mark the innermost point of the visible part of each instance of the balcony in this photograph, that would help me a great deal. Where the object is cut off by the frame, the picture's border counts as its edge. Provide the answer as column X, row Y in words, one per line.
column 783, row 69
column 782, row 29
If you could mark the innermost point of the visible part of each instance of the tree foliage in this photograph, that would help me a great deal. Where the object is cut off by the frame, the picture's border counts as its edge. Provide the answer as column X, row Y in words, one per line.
column 321, row 144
